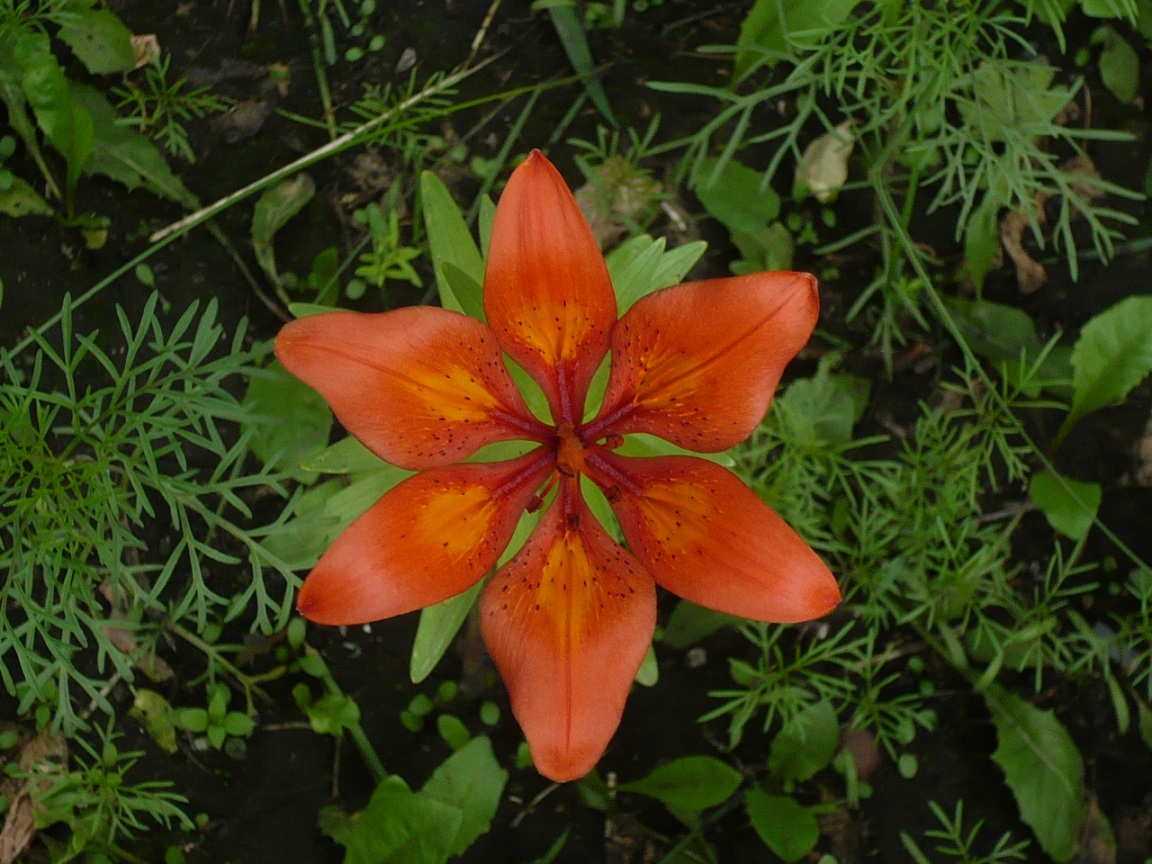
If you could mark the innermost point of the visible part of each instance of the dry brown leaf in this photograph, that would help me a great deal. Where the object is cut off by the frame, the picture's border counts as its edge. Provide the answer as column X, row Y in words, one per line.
column 20, row 821
column 1030, row 273
column 146, row 48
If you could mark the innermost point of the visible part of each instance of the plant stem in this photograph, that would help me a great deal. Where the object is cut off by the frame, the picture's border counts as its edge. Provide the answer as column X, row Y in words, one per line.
column 359, row 738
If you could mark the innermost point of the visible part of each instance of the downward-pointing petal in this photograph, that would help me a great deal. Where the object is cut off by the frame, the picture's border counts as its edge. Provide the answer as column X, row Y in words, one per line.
column 568, row 621
column 705, row 536
column 433, row 536
column 547, row 293
column 420, row 387
column 697, row 364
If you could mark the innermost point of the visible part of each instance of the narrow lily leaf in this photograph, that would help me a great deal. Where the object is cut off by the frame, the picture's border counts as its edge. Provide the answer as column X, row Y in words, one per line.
column 642, row 266
column 575, row 43
column 788, row 829
column 1112, row 356
column 1043, row 769
column 346, row 456
column 472, row 781
column 689, row 783
column 1070, row 506
column 438, row 626
column 451, row 243
column 275, row 208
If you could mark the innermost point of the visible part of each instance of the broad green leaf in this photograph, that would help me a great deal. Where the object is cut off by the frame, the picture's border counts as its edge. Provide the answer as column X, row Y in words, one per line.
column 100, row 40
column 20, row 199
column 397, row 827
column 995, row 331
column 472, row 781
column 127, row 156
column 822, row 410
column 276, row 206
column 787, row 828
column 690, row 624
column 775, row 25
column 1119, row 66
column 1043, row 769
column 1112, row 356
column 332, row 713
column 1070, row 506
column 689, row 783
column 62, row 118
column 437, row 628
column 806, row 744
column 1008, row 100
column 736, row 196
column 451, row 243
column 291, row 420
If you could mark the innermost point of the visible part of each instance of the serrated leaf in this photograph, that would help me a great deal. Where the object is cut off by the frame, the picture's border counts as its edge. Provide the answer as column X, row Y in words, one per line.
column 1112, row 356
column 1043, row 769
column 438, row 626
column 1070, row 506
column 100, row 40
column 20, row 199
column 806, row 744
column 126, row 156
column 787, row 828
column 397, row 827
column 276, row 207
column 689, row 783
column 472, row 781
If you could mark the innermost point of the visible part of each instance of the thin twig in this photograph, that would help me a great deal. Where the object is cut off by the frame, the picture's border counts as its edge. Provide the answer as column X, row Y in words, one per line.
column 478, row 39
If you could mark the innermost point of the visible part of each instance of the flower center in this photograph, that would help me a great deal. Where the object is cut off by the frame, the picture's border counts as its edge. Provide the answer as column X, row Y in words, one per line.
column 570, row 451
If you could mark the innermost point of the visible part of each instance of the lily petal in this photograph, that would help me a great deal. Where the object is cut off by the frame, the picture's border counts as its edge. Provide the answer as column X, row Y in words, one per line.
column 547, row 293
column 568, row 621
column 697, row 364
column 420, row 387
column 431, row 537
column 707, row 537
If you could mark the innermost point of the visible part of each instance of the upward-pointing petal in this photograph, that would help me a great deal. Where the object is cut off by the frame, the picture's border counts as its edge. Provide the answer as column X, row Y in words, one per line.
column 697, row 364
column 547, row 293
column 420, row 387
column 707, row 537
column 568, row 621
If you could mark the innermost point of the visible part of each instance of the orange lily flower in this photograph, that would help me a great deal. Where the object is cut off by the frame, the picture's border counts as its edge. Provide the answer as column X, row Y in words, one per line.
column 569, row 618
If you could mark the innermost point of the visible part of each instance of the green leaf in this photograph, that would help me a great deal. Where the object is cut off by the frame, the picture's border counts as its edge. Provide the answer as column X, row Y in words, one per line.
column 1043, row 769
column 62, row 118
column 641, row 266
column 690, row 624
column 153, row 710
column 451, row 244
column 397, row 827
column 689, row 783
column 982, row 240
column 806, row 744
column 126, row 156
column 822, row 410
column 195, row 720
column 276, row 206
column 100, row 40
column 773, row 25
column 1119, row 66
column 346, row 456
column 736, row 196
column 437, row 628
column 332, row 713
column 238, row 725
column 291, row 421
column 1112, row 356
column 1070, row 506
column 20, row 199
column 575, row 43
column 472, row 781
column 789, row 830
